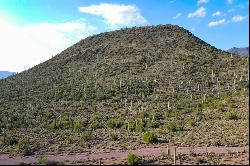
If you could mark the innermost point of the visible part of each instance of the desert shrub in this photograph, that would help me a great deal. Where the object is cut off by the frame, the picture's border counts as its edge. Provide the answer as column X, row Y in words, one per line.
column 245, row 123
column 139, row 125
column 53, row 125
column 191, row 122
column 24, row 146
column 132, row 159
column 172, row 127
column 180, row 125
column 9, row 140
column 114, row 123
column 113, row 136
column 149, row 137
column 231, row 116
column 94, row 125
column 153, row 124
column 42, row 160
column 78, row 125
column 85, row 136
column 64, row 124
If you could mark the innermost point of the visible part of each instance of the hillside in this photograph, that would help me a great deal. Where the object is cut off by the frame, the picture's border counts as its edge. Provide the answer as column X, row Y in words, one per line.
column 239, row 51
column 107, row 90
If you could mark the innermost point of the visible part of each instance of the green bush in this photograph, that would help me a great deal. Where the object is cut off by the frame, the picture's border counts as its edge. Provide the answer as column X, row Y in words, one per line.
column 9, row 140
column 153, row 124
column 133, row 159
column 78, row 125
column 172, row 127
column 84, row 136
column 191, row 122
column 114, row 123
column 180, row 125
column 42, row 160
column 24, row 146
column 94, row 125
column 149, row 137
column 113, row 136
column 231, row 116
column 139, row 127
column 53, row 124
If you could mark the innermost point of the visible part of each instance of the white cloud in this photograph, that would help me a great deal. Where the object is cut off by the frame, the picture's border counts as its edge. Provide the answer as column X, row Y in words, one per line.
column 217, row 23
column 23, row 46
column 202, row 1
column 217, row 13
column 201, row 12
column 238, row 18
column 229, row 1
column 177, row 15
column 116, row 15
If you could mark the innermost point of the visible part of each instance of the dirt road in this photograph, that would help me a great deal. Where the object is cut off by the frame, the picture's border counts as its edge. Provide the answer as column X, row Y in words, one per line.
column 7, row 160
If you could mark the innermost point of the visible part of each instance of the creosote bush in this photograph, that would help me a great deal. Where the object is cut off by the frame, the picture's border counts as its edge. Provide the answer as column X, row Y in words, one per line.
column 9, row 140
column 149, row 137
column 231, row 116
column 24, row 147
column 172, row 127
column 114, row 123
column 132, row 159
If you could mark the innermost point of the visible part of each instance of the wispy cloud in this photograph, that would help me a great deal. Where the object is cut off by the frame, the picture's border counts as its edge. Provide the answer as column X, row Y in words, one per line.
column 238, row 18
column 229, row 1
column 202, row 1
column 201, row 12
column 116, row 15
column 172, row 1
column 231, row 10
column 177, row 15
column 217, row 13
column 217, row 23
column 36, row 43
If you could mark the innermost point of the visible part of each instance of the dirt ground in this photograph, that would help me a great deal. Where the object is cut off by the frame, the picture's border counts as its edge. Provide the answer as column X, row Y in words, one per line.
column 151, row 155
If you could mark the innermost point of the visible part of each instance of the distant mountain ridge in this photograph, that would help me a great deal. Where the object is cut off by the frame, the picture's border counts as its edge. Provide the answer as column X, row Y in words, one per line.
column 239, row 51
column 5, row 74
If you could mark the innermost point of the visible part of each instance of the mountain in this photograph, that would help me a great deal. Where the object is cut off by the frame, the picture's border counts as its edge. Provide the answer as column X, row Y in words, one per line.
column 108, row 90
column 239, row 51
column 4, row 74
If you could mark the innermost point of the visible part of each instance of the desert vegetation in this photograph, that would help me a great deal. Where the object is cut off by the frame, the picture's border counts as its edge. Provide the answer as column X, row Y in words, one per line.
column 125, row 89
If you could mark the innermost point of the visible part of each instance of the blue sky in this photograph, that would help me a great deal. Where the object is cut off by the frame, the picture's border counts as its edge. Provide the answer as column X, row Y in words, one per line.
column 38, row 29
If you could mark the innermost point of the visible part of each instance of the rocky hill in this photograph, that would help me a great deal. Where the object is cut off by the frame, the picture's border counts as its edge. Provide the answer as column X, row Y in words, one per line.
column 109, row 89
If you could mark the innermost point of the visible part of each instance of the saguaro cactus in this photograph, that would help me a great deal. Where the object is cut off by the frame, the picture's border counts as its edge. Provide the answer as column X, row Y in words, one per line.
column 131, row 105
column 120, row 84
column 174, row 155
column 234, row 85
column 212, row 74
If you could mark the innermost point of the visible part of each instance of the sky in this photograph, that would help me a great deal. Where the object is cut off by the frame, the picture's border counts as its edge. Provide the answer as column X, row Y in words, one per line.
column 32, row 31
